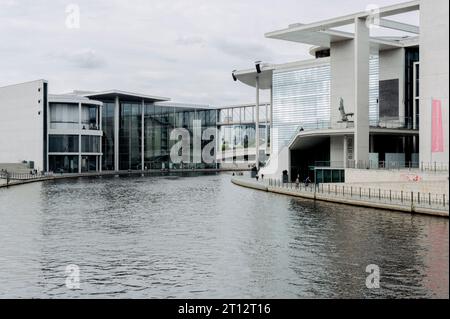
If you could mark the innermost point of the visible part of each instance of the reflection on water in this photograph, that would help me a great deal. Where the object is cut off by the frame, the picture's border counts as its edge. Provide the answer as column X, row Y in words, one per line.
column 202, row 237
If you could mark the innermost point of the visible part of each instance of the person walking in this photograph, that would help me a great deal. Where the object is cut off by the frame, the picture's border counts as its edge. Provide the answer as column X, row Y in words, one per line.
column 307, row 181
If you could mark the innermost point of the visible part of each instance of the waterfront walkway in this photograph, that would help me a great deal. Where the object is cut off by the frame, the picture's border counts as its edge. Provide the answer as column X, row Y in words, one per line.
column 410, row 202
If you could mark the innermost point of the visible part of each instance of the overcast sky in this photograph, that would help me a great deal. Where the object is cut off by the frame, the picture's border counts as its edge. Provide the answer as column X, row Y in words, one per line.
column 182, row 49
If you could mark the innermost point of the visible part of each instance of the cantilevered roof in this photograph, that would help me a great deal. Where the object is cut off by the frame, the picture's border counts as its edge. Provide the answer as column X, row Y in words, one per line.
column 128, row 96
column 249, row 76
column 71, row 98
column 322, row 34
column 187, row 106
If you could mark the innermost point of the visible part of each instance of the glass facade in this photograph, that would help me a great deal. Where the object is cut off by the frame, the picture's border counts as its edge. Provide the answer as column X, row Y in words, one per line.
column 130, row 136
column 90, row 144
column 64, row 116
column 374, row 90
column 89, row 117
column 108, row 136
column 324, row 176
column 301, row 98
column 237, row 128
column 88, row 163
column 160, row 120
column 63, row 163
column 412, row 55
column 63, row 144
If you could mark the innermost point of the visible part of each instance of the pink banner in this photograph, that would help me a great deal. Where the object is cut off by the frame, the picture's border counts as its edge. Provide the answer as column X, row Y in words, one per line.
column 437, row 143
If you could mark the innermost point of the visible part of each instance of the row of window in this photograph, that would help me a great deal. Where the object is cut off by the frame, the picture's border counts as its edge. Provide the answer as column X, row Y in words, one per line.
column 66, row 116
column 70, row 144
column 243, row 114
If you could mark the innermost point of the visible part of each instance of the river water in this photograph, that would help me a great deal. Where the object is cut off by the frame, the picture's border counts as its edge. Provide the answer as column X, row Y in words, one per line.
column 203, row 237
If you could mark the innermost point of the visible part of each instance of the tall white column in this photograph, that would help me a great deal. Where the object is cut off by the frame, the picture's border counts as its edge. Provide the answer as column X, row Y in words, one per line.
column 142, row 135
column 271, row 119
column 362, row 55
column 345, row 151
column 116, row 134
column 79, row 137
column 100, row 127
column 257, row 124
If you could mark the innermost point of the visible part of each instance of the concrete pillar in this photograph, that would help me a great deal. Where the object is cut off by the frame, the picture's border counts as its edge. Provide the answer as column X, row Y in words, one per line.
column 345, row 151
column 142, row 135
column 362, row 55
column 116, row 133
column 79, row 137
column 270, row 119
column 257, row 124
column 100, row 126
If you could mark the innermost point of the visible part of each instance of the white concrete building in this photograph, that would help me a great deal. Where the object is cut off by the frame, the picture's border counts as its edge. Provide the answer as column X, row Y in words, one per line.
column 364, row 101
column 22, row 116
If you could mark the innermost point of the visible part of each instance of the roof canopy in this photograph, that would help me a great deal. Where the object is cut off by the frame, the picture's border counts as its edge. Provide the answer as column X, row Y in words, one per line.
column 122, row 95
column 321, row 33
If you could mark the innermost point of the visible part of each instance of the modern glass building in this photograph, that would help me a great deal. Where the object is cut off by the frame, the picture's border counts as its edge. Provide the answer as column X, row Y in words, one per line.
column 358, row 103
column 73, row 134
column 137, row 130
column 122, row 131
column 237, row 134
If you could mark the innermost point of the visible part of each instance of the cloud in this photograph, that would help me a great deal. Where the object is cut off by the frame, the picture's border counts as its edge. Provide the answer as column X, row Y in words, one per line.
column 245, row 50
column 182, row 49
column 190, row 40
column 85, row 59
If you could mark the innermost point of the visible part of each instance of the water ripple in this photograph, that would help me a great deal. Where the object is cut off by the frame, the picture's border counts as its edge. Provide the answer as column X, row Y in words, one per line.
column 202, row 237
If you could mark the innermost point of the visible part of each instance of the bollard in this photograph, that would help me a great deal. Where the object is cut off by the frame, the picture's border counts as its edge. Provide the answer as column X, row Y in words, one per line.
column 418, row 197
column 390, row 195
column 429, row 199
column 379, row 194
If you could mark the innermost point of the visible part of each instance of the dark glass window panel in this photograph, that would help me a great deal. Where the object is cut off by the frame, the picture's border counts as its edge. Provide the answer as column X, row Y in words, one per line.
column 63, row 143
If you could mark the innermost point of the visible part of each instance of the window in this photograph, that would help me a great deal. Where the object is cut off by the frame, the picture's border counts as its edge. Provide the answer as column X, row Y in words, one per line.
column 64, row 116
column 90, row 144
column 63, row 143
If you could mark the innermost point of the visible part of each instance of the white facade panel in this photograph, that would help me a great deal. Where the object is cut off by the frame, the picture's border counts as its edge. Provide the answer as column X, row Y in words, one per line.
column 434, row 74
column 22, row 123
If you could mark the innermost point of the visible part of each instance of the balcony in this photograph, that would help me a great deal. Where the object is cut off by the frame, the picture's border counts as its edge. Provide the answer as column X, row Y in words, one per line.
column 74, row 126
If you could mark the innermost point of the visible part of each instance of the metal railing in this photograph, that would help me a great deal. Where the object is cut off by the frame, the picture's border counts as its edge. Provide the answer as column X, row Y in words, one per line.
column 399, row 165
column 405, row 123
column 372, row 195
column 13, row 176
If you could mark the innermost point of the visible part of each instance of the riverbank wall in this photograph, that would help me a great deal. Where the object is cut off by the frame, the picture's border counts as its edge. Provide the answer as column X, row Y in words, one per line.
column 3, row 183
column 356, row 198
